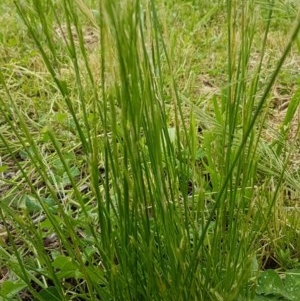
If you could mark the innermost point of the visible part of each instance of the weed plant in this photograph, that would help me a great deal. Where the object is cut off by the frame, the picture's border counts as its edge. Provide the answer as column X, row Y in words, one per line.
column 121, row 181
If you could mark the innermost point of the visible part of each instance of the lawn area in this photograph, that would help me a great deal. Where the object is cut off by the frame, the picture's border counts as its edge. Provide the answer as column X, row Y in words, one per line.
column 150, row 150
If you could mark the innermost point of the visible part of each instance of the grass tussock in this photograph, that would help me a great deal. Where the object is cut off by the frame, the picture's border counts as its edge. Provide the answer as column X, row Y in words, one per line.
column 149, row 150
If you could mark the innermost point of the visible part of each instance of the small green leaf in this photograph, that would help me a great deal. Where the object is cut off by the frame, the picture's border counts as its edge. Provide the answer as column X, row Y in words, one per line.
column 292, row 284
column 50, row 294
column 57, row 164
column 67, row 268
column 61, row 117
column 74, row 171
column 9, row 289
column 63, row 262
column 200, row 154
column 23, row 154
column 32, row 204
column 50, row 203
column 269, row 283
column 45, row 135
